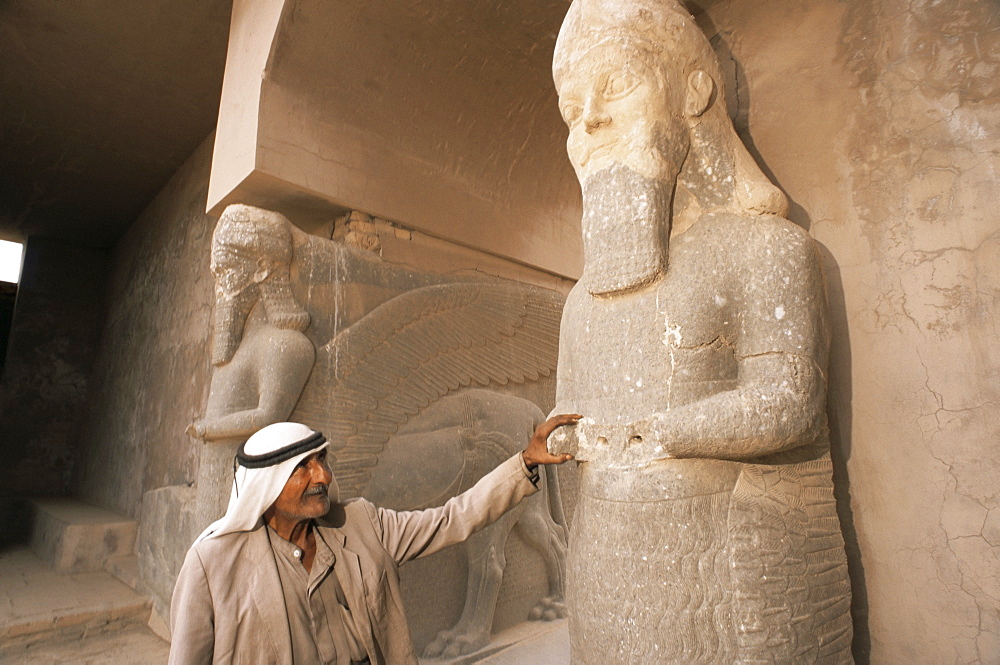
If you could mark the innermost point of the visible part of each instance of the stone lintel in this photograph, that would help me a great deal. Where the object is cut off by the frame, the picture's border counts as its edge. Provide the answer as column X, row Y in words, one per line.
column 441, row 117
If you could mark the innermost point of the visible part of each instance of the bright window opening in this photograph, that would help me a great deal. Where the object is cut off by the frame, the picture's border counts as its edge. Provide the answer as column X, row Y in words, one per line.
column 10, row 261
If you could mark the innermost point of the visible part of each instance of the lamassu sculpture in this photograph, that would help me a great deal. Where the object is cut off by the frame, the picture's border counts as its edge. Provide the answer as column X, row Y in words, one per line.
column 696, row 346
column 418, row 379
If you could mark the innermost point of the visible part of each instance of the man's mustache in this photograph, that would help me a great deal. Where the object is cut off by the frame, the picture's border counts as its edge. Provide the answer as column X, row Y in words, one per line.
column 317, row 489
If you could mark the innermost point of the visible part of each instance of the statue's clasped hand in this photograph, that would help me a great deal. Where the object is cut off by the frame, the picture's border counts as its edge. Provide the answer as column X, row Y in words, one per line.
column 537, row 451
column 649, row 434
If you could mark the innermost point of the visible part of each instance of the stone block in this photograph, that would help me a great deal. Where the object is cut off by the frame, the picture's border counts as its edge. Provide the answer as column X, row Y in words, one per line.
column 125, row 568
column 73, row 536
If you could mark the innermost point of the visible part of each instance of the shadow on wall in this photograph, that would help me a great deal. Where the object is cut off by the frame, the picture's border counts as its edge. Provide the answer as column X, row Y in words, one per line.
column 738, row 107
column 839, row 410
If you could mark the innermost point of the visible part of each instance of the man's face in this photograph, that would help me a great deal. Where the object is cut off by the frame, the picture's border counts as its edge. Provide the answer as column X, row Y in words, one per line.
column 620, row 111
column 306, row 494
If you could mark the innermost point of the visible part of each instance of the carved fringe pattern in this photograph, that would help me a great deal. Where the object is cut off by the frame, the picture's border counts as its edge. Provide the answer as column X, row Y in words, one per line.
column 791, row 593
column 648, row 582
column 758, row 579
column 416, row 348
column 283, row 310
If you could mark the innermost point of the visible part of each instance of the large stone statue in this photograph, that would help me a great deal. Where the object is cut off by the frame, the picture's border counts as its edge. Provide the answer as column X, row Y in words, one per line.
column 695, row 344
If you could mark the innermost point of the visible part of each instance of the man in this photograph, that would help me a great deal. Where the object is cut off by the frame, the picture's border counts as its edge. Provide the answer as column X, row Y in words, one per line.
column 696, row 342
column 292, row 575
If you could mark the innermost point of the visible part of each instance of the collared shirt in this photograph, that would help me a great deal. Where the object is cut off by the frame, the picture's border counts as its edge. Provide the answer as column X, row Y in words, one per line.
column 319, row 620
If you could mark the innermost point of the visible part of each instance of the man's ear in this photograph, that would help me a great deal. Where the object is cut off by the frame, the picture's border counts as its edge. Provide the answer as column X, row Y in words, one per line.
column 700, row 92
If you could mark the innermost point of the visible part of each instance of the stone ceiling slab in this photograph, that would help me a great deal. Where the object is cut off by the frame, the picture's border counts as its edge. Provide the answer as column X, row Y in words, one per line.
column 440, row 116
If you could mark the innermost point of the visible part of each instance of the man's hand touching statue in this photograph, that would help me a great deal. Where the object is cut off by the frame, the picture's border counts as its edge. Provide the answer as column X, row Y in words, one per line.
column 537, row 451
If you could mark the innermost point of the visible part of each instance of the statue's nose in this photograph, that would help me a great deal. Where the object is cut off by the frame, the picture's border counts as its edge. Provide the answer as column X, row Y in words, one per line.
column 595, row 115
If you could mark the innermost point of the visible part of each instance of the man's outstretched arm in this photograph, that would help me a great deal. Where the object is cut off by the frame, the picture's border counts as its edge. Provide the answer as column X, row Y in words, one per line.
column 412, row 534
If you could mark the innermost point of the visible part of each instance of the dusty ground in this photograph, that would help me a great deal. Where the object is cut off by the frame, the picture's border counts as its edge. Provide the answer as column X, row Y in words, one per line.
column 48, row 618
column 133, row 646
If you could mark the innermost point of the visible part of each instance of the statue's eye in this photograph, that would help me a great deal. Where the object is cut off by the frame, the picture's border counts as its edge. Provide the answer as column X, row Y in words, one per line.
column 571, row 113
column 619, row 84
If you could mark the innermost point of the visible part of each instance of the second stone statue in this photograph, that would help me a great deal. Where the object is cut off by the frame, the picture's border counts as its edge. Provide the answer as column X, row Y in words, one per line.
column 696, row 346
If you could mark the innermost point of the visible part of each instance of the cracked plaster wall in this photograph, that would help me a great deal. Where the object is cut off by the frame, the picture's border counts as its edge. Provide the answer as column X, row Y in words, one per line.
column 880, row 120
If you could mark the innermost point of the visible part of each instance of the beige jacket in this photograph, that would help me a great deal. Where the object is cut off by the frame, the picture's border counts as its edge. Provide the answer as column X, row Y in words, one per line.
column 227, row 605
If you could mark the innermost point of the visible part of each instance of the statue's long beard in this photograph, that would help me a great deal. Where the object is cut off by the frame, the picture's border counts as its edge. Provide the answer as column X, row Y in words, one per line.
column 626, row 230
column 231, row 313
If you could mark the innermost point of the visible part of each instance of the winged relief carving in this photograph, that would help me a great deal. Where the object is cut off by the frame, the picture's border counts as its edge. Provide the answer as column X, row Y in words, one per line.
column 418, row 380
column 416, row 348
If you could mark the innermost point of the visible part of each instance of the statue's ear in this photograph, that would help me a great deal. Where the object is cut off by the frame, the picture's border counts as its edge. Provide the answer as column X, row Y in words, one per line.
column 700, row 90
column 263, row 269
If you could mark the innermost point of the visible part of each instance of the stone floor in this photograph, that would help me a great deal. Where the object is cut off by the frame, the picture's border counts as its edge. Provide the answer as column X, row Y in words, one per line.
column 133, row 646
column 529, row 643
column 50, row 618
column 88, row 618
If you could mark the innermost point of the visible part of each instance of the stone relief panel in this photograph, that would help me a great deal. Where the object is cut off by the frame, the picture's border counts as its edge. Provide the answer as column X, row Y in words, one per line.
column 420, row 380
column 695, row 344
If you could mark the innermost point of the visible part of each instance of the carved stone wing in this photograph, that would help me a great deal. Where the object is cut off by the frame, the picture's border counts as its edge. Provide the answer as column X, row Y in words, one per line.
column 415, row 349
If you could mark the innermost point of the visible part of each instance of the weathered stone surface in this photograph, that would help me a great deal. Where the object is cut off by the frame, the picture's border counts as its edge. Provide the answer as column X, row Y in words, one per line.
column 46, row 372
column 39, row 606
column 394, row 374
column 695, row 345
column 74, row 537
column 151, row 373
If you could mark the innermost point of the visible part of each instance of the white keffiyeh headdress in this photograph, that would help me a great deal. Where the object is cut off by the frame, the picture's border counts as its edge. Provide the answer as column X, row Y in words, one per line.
column 262, row 466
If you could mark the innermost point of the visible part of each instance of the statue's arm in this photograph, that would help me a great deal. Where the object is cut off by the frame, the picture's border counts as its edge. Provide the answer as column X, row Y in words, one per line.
column 282, row 370
column 780, row 400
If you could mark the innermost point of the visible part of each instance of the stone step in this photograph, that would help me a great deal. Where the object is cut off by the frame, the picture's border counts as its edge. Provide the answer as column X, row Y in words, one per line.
column 125, row 568
column 39, row 604
column 73, row 536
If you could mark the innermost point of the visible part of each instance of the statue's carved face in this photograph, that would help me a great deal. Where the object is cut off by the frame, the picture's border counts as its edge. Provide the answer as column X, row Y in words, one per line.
column 233, row 272
column 620, row 110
